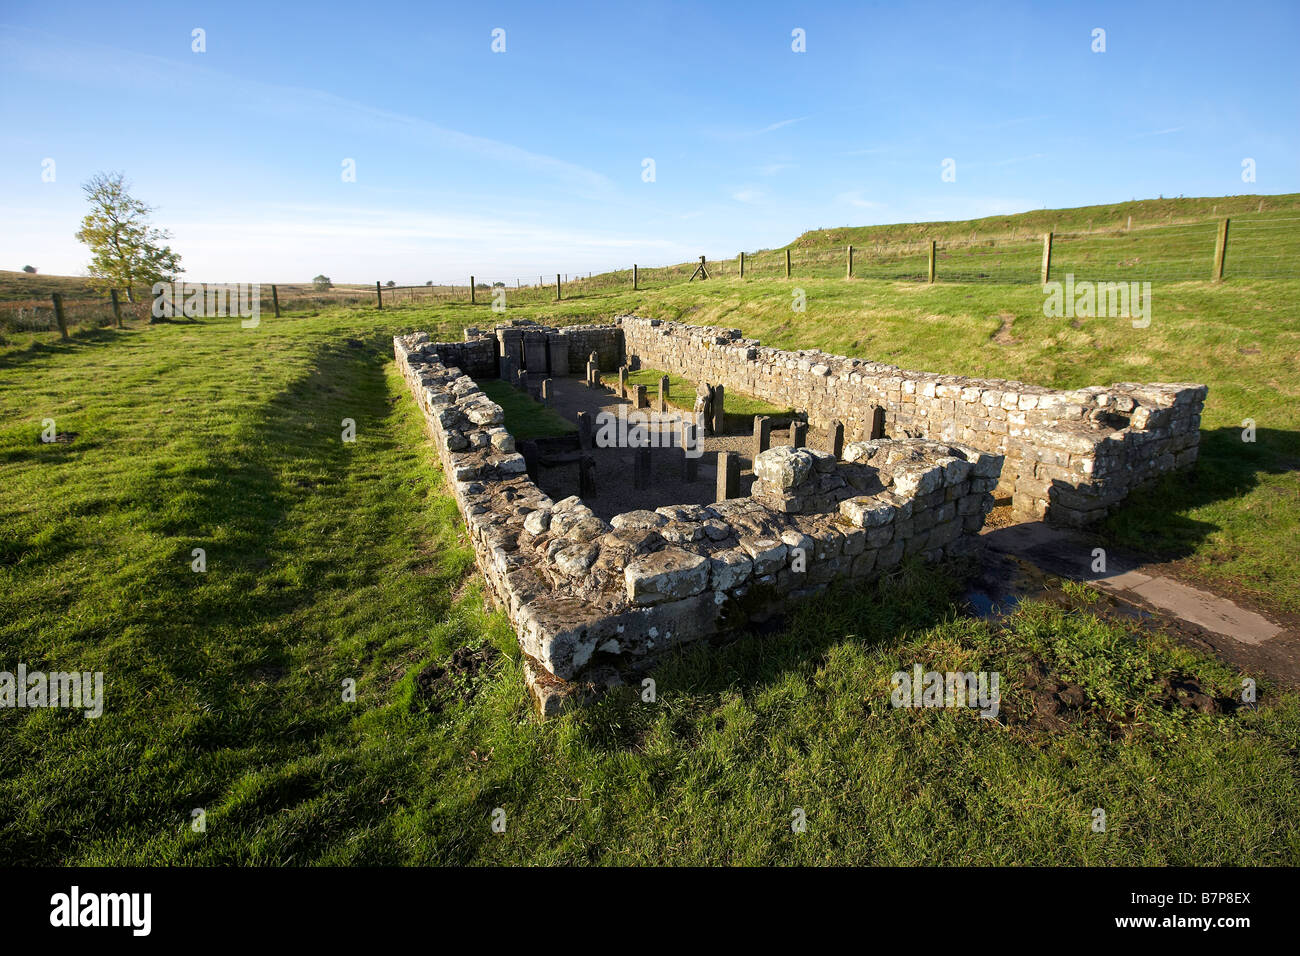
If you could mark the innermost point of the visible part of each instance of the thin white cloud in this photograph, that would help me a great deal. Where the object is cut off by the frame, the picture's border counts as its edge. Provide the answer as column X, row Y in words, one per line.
column 855, row 198
column 781, row 125
column 98, row 66
column 731, row 135
column 351, row 244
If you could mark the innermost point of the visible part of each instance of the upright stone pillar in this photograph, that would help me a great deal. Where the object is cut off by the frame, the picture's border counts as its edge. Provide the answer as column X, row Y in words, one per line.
column 557, row 347
column 835, row 438
column 587, row 477
column 641, row 469
column 690, row 452
column 728, row 475
column 703, row 408
column 534, row 348
column 510, row 346
column 663, row 394
column 798, row 434
column 719, row 417
column 762, row 436
column 584, row 431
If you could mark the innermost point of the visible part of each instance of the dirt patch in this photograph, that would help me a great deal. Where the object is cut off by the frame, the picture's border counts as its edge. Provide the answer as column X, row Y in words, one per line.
column 1002, row 515
column 1003, row 335
column 1052, row 704
column 1187, row 693
column 457, row 680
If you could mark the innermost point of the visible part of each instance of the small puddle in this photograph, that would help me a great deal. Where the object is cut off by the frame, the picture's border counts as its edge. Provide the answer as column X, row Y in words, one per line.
column 1002, row 584
column 985, row 605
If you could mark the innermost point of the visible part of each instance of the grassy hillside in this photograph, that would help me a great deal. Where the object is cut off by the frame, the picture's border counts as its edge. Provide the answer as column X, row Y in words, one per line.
column 18, row 286
column 1145, row 213
column 329, row 561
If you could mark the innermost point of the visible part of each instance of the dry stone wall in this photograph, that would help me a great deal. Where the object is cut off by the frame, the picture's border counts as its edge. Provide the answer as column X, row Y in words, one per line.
column 524, row 345
column 593, row 602
column 1070, row 455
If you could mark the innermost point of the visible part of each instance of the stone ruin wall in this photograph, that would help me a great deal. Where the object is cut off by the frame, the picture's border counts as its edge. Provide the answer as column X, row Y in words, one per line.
column 523, row 345
column 1070, row 455
column 593, row 602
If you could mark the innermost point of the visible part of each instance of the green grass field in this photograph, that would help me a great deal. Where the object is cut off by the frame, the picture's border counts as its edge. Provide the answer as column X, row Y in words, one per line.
column 330, row 561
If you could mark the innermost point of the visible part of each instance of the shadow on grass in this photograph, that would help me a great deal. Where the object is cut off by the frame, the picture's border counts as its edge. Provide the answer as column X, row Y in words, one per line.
column 912, row 598
column 81, row 340
column 211, row 663
column 238, row 506
column 1151, row 520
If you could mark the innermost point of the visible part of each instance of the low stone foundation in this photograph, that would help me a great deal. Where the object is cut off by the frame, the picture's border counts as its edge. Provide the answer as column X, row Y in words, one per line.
column 1070, row 455
column 594, row 603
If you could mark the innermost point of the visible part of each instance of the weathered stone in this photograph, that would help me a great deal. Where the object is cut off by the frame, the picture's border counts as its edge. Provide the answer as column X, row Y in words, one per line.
column 768, row 554
column 729, row 569
column 667, row 575
column 783, row 468
column 576, row 558
column 537, row 522
column 638, row 520
column 869, row 512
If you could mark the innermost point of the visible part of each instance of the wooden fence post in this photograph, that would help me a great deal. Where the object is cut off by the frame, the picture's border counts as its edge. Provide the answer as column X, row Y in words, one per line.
column 635, row 277
column 930, row 264
column 58, row 315
column 275, row 301
column 1047, row 256
column 471, row 290
column 787, row 263
column 1220, row 250
column 848, row 272
column 379, row 293
column 742, row 265
column 117, row 307
column 558, row 296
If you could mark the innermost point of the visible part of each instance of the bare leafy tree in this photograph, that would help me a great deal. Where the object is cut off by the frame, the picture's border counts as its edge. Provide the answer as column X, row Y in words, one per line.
column 322, row 283
column 127, row 251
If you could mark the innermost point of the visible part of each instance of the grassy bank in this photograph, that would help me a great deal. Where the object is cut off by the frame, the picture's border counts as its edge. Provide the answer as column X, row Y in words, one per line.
column 330, row 561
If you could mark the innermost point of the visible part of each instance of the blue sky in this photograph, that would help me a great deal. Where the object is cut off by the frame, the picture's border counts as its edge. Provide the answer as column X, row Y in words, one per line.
column 529, row 162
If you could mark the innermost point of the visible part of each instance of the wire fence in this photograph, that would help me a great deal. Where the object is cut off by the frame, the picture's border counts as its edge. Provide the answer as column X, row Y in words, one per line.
column 1259, row 246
